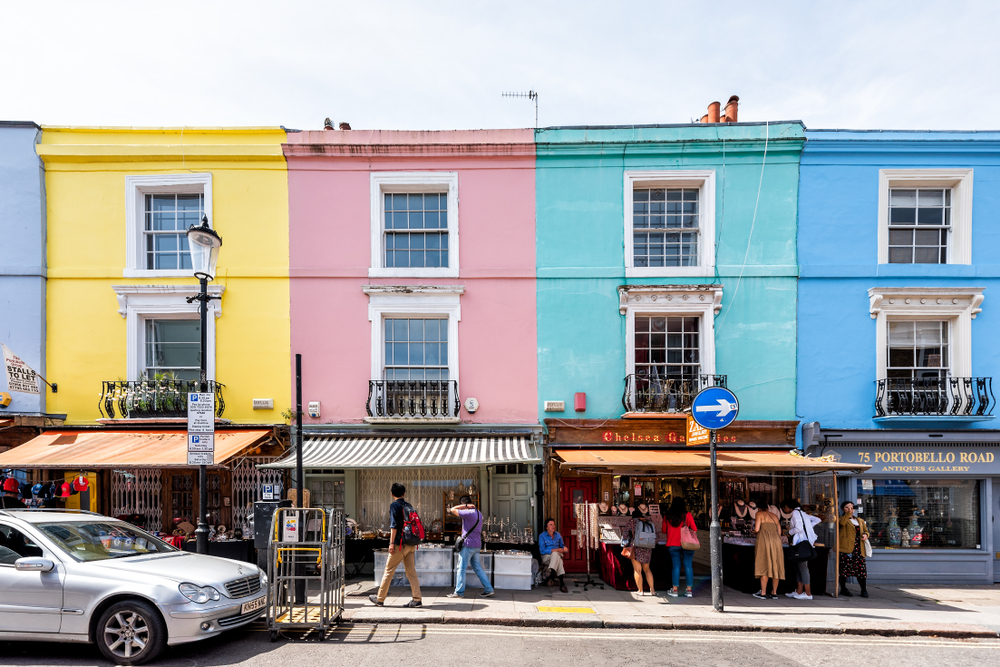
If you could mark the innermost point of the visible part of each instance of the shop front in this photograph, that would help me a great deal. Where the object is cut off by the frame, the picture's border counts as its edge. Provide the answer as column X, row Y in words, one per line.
column 930, row 499
column 634, row 464
column 355, row 472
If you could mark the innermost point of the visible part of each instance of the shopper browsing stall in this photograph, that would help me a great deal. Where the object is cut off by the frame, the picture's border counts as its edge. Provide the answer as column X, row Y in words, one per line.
column 472, row 526
column 636, row 535
column 677, row 518
column 801, row 529
column 552, row 548
column 769, row 560
column 853, row 533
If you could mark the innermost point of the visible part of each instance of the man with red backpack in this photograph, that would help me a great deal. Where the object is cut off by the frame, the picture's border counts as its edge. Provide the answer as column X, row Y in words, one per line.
column 405, row 533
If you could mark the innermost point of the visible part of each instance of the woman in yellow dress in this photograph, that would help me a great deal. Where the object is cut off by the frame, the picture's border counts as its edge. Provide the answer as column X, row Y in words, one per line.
column 769, row 561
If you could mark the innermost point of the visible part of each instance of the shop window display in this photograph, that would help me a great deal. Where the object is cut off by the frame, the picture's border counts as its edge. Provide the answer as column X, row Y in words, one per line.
column 921, row 513
column 424, row 488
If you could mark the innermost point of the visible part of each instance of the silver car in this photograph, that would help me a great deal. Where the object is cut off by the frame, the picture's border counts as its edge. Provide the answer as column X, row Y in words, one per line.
column 83, row 577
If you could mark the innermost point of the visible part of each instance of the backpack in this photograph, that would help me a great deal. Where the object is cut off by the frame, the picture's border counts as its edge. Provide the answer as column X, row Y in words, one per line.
column 645, row 535
column 413, row 529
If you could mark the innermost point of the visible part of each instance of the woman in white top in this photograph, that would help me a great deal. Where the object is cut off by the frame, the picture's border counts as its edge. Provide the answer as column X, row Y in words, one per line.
column 800, row 529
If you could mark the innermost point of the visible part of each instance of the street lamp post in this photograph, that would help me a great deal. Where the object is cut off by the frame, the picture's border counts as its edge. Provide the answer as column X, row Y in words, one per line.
column 204, row 244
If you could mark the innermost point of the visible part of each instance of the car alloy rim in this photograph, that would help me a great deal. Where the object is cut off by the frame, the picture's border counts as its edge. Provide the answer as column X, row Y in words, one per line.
column 126, row 634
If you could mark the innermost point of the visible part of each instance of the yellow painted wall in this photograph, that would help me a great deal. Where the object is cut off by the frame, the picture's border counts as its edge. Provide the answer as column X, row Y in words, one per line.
column 86, row 200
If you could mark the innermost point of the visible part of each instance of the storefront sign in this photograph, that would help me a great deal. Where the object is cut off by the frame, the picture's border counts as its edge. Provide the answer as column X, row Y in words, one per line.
column 651, row 433
column 20, row 376
column 956, row 459
column 696, row 434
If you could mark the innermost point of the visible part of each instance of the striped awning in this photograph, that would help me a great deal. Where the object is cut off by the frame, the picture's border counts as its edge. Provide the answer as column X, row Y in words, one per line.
column 385, row 452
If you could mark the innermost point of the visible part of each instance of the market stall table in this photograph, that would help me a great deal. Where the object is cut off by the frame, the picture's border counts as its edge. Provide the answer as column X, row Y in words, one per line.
column 738, row 569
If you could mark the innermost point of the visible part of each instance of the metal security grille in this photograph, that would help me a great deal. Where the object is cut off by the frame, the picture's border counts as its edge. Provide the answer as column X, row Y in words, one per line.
column 247, row 481
column 919, row 223
column 416, row 230
column 664, row 227
column 137, row 491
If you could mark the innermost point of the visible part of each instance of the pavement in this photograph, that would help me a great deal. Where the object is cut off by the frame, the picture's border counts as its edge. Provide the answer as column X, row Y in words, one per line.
column 897, row 610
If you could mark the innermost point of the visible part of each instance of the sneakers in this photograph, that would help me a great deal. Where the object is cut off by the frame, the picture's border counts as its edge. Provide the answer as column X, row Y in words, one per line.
column 773, row 596
column 486, row 594
column 689, row 594
column 793, row 594
column 454, row 595
column 802, row 596
column 414, row 603
column 758, row 595
column 374, row 601
column 672, row 593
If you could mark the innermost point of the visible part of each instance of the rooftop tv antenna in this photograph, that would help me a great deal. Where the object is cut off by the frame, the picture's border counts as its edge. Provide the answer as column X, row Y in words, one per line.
column 531, row 95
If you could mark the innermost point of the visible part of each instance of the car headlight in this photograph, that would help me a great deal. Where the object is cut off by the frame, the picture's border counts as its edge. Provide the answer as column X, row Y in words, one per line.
column 199, row 594
column 263, row 579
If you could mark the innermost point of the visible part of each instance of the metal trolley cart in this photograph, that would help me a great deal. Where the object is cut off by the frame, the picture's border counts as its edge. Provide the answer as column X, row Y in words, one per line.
column 306, row 570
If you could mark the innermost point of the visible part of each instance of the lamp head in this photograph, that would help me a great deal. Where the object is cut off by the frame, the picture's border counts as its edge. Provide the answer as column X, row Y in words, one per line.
column 204, row 244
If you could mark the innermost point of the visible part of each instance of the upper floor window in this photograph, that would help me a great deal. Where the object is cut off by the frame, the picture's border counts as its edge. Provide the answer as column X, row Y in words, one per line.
column 168, row 217
column 414, row 224
column 416, row 349
column 669, row 223
column 925, row 216
column 159, row 208
column 173, row 349
column 918, row 350
column 667, row 347
column 919, row 225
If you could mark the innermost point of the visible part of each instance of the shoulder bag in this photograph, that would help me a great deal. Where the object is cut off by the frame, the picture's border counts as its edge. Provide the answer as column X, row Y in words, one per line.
column 645, row 535
column 804, row 550
column 689, row 538
column 460, row 540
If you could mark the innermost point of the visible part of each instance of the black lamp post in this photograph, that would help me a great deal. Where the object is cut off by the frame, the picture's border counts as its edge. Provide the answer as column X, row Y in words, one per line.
column 204, row 244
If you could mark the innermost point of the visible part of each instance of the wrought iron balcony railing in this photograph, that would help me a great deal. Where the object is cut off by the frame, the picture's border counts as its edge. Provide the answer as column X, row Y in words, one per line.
column 149, row 399
column 656, row 394
column 935, row 397
column 413, row 399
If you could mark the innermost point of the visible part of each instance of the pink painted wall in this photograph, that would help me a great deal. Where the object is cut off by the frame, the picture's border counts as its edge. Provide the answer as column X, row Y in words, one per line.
column 330, row 253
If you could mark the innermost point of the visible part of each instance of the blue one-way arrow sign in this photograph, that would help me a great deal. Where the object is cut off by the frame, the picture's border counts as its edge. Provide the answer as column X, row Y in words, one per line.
column 715, row 408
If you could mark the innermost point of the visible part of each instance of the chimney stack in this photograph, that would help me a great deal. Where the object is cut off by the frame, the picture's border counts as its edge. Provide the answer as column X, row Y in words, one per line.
column 713, row 112
column 327, row 124
column 732, row 109
column 704, row 119
column 345, row 126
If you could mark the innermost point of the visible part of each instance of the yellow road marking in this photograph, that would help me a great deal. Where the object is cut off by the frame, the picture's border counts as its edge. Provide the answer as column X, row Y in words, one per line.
column 567, row 610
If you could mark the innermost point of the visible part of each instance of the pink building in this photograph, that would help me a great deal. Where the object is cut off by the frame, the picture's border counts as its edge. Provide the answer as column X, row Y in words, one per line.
column 412, row 265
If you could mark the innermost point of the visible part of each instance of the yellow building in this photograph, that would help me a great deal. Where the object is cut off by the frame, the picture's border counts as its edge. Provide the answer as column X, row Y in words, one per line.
column 119, row 201
column 123, row 343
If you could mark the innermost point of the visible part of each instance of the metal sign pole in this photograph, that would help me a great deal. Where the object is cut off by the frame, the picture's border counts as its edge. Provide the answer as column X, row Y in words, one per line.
column 715, row 533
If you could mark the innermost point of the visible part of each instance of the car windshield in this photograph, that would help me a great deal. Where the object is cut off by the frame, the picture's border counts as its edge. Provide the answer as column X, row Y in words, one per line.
column 102, row 540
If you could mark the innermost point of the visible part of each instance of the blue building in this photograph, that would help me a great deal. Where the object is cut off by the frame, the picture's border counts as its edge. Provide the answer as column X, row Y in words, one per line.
column 22, row 277
column 897, row 340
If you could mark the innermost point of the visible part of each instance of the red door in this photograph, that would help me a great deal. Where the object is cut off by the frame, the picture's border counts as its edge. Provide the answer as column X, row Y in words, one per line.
column 574, row 490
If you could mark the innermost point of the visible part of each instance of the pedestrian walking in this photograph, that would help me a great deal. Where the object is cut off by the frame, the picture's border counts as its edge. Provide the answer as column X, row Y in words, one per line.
column 399, row 512
column 552, row 548
column 853, row 531
column 678, row 517
column 769, row 560
column 801, row 529
column 472, row 532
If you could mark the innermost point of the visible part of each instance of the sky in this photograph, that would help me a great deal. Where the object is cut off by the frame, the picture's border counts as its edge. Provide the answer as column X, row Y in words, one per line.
column 443, row 65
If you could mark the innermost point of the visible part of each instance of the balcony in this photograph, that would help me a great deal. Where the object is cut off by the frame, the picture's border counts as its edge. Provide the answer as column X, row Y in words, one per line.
column 953, row 399
column 665, row 395
column 413, row 400
column 153, row 399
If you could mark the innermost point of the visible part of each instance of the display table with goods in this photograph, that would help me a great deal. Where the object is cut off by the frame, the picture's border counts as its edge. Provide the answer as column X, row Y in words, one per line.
column 360, row 552
column 512, row 570
column 432, row 562
column 471, row 578
column 437, row 565
column 739, row 556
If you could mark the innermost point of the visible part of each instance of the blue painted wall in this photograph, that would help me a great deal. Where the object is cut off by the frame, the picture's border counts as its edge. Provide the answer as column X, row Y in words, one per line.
column 838, row 254
column 22, row 256
column 581, row 258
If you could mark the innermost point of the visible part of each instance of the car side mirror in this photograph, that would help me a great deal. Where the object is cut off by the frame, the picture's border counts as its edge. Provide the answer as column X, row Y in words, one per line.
column 33, row 564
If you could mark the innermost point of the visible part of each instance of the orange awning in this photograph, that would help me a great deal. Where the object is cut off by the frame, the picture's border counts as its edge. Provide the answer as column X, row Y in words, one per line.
column 695, row 461
column 91, row 450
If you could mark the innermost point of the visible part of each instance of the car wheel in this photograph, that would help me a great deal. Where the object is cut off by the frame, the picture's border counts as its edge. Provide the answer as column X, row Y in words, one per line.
column 131, row 633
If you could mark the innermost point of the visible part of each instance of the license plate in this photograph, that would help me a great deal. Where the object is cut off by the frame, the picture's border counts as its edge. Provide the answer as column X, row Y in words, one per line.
column 253, row 605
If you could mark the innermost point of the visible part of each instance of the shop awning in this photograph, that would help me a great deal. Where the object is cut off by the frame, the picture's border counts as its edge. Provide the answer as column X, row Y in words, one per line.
column 93, row 450
column 384, row 452
column 634, row 460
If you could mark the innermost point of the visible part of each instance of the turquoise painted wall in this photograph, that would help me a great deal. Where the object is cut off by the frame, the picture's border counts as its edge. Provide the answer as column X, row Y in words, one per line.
column 581, row 258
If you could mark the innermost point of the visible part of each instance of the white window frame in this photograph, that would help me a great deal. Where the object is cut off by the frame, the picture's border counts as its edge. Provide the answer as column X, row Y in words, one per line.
column 412, row 181
column 957, row 305
column 136, row 189
column 704, row 181
column 960, row 183
column 417, row 301
column 702, row 301
column 137, row 303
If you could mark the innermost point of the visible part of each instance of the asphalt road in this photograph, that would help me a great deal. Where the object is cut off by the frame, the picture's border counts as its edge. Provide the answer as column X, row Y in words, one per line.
column 446, row 645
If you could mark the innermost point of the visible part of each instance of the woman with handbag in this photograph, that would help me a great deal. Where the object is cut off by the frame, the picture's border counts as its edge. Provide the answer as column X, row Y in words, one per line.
column 801, row 529
column 769, row 560
column 682, row 541
column 639, row 555
column 852, row 534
